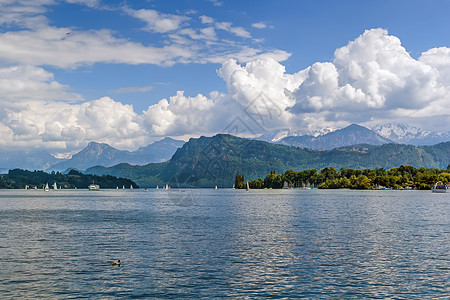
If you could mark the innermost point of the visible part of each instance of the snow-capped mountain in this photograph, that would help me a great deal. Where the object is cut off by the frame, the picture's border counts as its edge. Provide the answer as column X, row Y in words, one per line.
column 323, row 131
column 392, row 132
column 276, row 135
column 350, row 135
column 407, row 134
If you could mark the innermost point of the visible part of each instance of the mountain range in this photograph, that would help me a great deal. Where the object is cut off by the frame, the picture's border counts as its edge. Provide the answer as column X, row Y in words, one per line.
column 407, row 134
column 105, row 155
column 351, row 135
column 160, row 151
column 276, row 135
column 209, row 161
column 35, row 159
column 329, row 138
column 93, row 154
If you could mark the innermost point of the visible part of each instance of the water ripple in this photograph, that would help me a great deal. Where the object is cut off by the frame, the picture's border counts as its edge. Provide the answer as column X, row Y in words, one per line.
column 260, row 244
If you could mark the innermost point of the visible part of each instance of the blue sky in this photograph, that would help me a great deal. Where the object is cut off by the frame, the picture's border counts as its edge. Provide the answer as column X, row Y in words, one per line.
column 80, row 70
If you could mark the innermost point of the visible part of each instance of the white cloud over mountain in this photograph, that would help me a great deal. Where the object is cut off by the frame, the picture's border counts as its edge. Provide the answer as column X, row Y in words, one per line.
column 372, row 79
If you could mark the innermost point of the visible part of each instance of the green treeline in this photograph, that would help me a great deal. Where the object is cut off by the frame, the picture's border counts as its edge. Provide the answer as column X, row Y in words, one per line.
column 403, row 177
column 18, row 179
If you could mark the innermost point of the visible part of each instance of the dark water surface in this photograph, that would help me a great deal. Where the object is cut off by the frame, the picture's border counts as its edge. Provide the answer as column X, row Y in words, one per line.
column 225, row 243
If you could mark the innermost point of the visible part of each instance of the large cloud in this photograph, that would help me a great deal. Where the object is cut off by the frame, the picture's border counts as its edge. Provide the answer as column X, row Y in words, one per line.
column 61, row 125
column 182, row 115
column 372, row 79
column 263, row 90
column 27, row 83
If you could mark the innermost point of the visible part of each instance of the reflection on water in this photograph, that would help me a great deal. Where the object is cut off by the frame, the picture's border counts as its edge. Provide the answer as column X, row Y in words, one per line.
column 289, row 243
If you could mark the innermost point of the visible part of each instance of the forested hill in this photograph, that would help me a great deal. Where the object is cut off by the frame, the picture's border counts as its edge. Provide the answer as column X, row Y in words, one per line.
column 18, row 179
column 209, row 161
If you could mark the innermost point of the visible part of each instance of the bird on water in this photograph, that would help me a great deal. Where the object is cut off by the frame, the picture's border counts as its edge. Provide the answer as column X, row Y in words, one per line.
column 116, row 263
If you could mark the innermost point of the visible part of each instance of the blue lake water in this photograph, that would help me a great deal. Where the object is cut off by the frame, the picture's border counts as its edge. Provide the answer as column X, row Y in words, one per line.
column 225, row 243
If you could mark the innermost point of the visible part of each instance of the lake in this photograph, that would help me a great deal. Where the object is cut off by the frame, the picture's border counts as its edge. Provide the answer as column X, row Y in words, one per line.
column 224, row 243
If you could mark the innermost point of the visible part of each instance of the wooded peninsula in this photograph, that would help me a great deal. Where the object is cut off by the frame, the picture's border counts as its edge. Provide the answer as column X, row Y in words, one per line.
column 403, row 177
column 20, row 179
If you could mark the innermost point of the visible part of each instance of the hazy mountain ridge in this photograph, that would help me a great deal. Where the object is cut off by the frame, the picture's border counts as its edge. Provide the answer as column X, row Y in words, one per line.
column 209, row 161
column 93, row 154
column 36, row 159
column 105, row 155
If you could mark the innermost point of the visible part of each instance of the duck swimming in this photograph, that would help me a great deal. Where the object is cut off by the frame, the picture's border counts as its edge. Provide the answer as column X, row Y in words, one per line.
column 116, row 263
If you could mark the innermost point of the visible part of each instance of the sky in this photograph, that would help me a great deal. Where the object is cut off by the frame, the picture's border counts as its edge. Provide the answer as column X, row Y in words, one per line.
column 128, row 73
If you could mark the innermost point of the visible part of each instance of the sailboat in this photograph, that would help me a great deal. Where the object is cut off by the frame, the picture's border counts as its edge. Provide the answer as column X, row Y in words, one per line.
column 131, row 186
column 46, row 189
column 55, row 186
column 123, row 187
column 216, row 187
column 117, row 187
column 248, row 187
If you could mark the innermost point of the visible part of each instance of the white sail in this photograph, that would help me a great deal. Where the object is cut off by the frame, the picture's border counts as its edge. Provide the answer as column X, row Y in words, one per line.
column 157, row 187
column 46, row 187
column 131, row 187
column 248, row 186
column 55, row 186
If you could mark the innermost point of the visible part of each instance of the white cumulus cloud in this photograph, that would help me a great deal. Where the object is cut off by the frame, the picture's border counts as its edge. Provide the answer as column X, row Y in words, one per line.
column 180, row 115
column 60, row 125
column 28, row 83
column 371, row 79
column 157, row 21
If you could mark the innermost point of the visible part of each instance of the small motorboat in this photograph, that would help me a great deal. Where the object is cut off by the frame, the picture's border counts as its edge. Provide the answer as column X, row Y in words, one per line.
column 439, row 187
